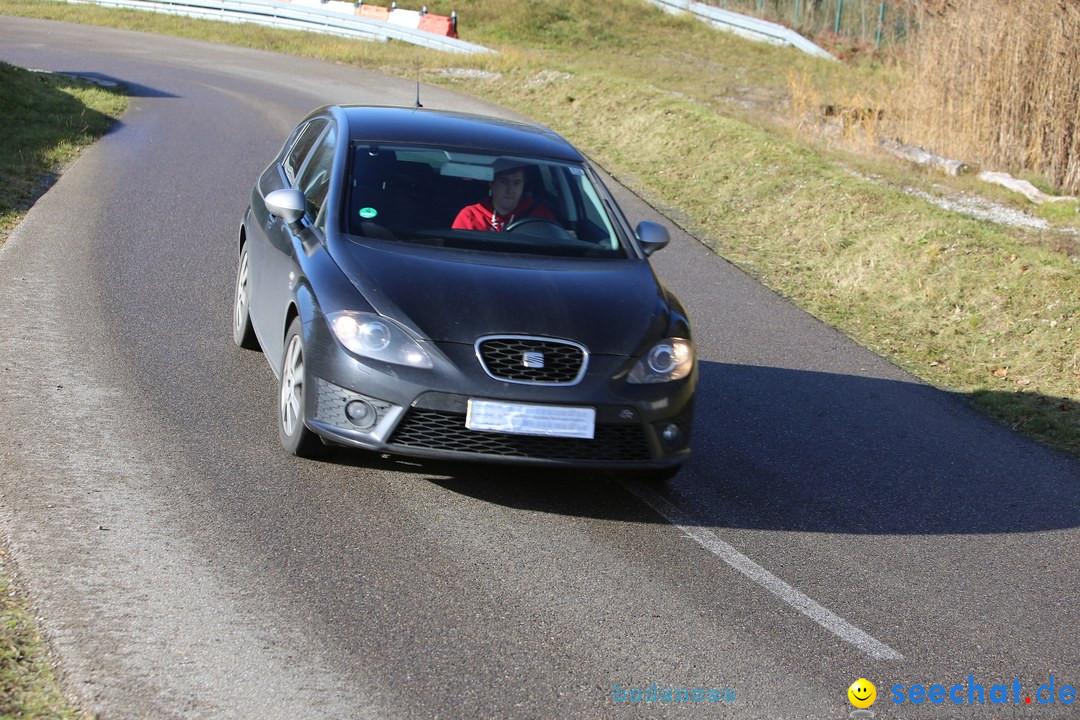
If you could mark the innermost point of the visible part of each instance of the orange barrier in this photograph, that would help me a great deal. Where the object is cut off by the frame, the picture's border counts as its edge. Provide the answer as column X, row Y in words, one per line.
column 373, row 12
column 438, row 24
column 435, row 24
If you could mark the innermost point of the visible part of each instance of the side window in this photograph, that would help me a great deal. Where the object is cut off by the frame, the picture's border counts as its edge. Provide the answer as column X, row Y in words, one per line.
column 294, row 159
column 592, row 208
column 314, row 178
column 598, row 224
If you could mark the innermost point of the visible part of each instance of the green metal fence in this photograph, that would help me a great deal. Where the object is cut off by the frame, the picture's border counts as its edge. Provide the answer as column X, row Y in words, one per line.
column 876, row 22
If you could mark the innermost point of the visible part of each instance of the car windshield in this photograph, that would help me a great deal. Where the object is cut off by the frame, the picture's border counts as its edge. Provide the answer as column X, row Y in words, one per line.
column 472, row 201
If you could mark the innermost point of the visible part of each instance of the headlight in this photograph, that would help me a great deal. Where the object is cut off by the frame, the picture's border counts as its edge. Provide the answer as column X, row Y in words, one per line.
column 378, row 338
column 667, row 360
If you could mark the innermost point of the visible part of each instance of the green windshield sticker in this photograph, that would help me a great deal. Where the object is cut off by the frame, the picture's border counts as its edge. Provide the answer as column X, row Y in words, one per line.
column 368, row 213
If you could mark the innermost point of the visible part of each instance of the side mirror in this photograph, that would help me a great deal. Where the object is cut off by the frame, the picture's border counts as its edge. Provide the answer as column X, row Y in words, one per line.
column 288, row 204
column 652, row 236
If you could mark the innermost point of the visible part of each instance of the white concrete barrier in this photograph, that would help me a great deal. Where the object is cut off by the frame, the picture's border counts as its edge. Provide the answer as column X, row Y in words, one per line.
column 405, row 18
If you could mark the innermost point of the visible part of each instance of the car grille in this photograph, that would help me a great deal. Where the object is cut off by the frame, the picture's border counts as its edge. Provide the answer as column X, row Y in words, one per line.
column 504, row 358
column 437, row 430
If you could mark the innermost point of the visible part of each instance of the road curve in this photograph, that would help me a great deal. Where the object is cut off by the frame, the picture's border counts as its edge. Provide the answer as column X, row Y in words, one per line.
column 838, row 519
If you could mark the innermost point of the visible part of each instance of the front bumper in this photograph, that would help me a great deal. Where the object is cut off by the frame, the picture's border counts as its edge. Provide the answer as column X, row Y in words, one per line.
column 422, row 413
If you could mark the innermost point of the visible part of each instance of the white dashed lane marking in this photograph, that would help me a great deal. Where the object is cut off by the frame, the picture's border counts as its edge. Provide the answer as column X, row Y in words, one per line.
column 807, row 606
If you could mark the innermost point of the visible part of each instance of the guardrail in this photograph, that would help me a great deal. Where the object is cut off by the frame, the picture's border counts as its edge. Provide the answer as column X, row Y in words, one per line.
column 298, row 17
column 748, row 27
column 339, row 20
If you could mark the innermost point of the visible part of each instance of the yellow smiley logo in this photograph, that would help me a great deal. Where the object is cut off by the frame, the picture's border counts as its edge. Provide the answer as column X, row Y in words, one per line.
column 862, row 693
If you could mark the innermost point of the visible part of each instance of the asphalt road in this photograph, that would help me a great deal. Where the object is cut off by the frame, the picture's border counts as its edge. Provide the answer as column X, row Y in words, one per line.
column 838, row 519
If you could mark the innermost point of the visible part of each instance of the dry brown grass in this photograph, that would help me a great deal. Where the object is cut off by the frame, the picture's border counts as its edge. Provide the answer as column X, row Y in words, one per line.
column 994, row 83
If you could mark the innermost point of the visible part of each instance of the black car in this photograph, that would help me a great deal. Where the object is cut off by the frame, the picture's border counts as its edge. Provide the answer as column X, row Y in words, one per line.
column 399, row 317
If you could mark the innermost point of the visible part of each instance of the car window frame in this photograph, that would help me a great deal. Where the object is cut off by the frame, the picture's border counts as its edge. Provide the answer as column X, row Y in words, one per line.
column 289, row 172
column 330, row 152
column 627, row 235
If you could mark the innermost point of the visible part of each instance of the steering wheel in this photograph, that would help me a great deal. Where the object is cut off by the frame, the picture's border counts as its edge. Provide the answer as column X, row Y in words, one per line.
column 540, row 227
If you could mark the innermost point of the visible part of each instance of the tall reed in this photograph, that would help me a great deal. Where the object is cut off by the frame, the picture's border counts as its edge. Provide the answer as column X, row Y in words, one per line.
column 996, row 83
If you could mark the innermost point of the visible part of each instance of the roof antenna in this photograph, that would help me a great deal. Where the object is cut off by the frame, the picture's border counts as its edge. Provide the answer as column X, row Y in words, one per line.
column 418, row 83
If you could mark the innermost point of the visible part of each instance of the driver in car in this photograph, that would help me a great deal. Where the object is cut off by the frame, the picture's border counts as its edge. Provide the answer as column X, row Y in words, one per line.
column 506, row 205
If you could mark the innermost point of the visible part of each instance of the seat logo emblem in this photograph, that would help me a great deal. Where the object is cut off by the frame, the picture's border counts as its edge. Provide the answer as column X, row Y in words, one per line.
column 532, row 359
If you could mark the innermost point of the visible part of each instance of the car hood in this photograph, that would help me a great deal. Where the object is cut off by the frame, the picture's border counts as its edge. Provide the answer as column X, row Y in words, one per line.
column 613, row 307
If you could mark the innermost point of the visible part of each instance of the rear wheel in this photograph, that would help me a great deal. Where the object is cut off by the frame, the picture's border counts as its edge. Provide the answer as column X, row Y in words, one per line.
column 295, row 436
column 243, row 333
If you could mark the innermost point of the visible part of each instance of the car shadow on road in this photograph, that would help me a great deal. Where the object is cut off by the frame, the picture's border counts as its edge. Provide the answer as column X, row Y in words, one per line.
column 807, row 451
column 130, row 89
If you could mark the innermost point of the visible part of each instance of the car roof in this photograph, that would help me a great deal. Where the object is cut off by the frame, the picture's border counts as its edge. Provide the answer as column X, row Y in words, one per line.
column 458, row 130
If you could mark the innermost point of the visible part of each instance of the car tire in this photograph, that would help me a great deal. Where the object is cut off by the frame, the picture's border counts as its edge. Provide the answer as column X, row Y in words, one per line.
column 295, row 436
column 242, row 331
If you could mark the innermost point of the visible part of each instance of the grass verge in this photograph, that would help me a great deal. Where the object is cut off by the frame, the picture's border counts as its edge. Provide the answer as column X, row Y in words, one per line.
column 47, row 120
column 28, row 686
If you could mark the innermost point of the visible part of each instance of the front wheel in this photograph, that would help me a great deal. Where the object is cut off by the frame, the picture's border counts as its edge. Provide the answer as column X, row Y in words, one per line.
column 242, row 331
column 295, row 436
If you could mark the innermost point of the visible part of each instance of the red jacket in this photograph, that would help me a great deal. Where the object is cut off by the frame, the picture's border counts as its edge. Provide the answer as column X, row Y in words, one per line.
column 482, row 215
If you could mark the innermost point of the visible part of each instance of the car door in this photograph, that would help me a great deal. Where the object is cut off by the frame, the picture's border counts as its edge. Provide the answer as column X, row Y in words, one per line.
column 265, row 230
column 285, row 246
column 263, row 227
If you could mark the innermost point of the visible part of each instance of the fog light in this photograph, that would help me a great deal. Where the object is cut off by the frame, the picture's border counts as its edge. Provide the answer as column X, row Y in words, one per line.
column 361, row 414
column 671, row 434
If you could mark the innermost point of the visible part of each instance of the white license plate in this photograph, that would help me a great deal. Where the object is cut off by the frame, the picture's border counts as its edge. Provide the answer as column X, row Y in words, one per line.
column 520, row 419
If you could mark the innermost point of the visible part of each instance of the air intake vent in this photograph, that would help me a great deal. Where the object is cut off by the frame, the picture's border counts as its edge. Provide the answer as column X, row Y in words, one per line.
column 436, row 430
